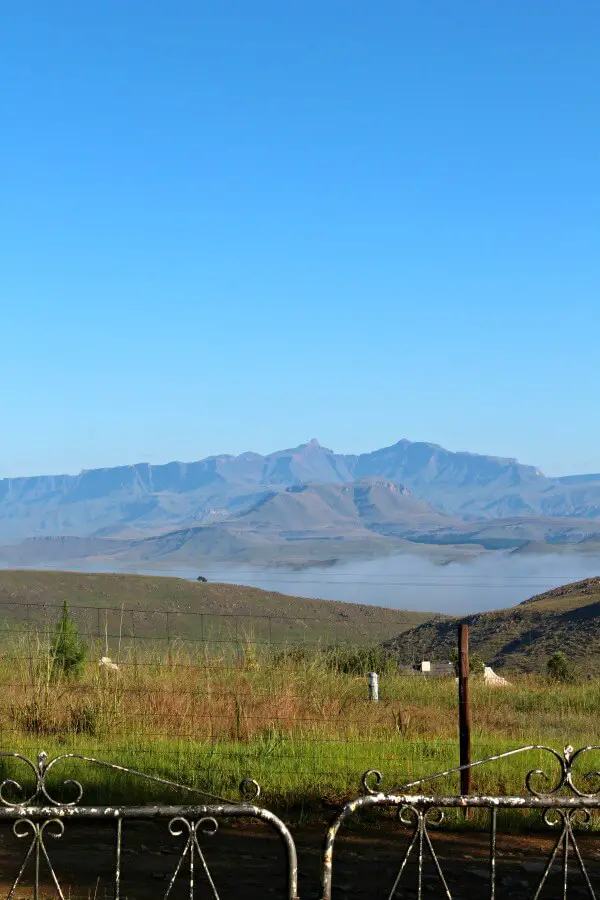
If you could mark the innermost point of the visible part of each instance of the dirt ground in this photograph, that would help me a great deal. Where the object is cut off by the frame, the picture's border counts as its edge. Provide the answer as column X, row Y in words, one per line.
column 249, row 863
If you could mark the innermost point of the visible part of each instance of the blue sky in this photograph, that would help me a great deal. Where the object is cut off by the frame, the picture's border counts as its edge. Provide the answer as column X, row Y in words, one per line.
column 231, row 225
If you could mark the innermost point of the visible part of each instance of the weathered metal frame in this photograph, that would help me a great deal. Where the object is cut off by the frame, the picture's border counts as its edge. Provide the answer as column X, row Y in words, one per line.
column 42, row 815
column 420, row 810
column 567, row 802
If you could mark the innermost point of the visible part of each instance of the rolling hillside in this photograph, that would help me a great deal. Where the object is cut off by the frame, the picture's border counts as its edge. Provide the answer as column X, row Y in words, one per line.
column 136, row 606
column 522, row 637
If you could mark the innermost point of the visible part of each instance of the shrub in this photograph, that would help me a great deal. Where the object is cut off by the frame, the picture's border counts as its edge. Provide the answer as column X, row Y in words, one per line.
column 41, row 716
column 68, row 652
column 559, row 668
column 295, row 655
column 347, row 660
column 476, row 663
column 359, row 660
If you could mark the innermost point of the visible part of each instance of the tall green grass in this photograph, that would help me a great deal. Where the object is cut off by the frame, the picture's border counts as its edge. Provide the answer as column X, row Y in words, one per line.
column 300, row 723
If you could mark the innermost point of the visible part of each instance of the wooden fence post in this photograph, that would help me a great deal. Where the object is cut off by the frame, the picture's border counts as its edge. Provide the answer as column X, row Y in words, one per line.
column 464, row 711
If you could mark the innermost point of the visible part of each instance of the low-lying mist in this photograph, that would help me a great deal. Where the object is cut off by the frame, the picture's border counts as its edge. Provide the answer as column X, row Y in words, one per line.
column 492, row 581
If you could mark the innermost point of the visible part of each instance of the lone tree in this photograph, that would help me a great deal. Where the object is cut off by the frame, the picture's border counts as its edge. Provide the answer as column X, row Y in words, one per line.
column 68, row 652
column 559, row 668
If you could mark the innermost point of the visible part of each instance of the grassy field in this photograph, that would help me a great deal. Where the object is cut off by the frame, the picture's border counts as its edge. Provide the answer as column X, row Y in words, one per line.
column 136, row 608
column 294, row 716
column 302, row 729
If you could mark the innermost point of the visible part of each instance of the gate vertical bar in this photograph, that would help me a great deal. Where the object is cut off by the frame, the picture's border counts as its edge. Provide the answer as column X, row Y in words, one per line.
column 493, row 828
column 118, row 859
column 464, row 711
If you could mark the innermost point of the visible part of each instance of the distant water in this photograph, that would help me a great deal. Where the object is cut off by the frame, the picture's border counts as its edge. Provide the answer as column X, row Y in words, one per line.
column 489, row 582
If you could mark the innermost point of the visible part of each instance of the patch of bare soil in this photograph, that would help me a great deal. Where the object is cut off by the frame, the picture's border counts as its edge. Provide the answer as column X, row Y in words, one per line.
column 250, row 863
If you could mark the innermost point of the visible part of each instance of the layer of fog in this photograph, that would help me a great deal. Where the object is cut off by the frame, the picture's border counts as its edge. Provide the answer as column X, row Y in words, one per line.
column 492, row 581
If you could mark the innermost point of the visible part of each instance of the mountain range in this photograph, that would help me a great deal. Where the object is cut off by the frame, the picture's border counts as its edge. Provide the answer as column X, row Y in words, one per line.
column 295, row 503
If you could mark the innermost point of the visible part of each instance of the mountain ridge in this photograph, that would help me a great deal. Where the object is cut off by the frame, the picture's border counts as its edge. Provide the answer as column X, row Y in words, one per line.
column 250, row 456
column 141, row 499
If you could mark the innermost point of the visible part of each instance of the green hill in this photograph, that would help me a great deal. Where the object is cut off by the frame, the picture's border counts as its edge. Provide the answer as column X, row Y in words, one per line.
column 160, row 608
column 520, row 638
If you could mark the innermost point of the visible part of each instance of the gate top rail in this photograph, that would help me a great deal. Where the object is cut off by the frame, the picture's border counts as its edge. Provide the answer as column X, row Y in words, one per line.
column 566, row 762
column 249, row 788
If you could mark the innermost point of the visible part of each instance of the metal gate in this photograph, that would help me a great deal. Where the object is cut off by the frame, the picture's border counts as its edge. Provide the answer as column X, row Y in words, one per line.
column 42, row 817
column 45, row 806
column 568, row 804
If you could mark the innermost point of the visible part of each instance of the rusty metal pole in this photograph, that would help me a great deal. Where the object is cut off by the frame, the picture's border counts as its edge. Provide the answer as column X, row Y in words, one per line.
column 464, row 711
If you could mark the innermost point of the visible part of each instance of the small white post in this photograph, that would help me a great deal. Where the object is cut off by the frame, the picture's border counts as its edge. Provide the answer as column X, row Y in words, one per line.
column 373, row 687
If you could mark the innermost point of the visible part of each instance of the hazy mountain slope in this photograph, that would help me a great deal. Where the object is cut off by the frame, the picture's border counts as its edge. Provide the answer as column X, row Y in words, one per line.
column 514, row 532
column 369, row 504
column 204, row 544
column 141, row 499
column 593, row 479
column 474, row 486
column 522, row 637
column 589, row 548
column 46, row 551
column 303, row 522
column 263, row 537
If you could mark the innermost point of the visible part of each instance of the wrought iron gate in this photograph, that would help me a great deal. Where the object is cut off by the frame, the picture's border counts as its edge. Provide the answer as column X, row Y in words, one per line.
column 51, row 806
column 568, row 803
column 41, row 816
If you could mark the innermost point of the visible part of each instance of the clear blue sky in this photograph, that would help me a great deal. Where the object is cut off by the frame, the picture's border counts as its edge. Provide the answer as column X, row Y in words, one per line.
column 231, row 225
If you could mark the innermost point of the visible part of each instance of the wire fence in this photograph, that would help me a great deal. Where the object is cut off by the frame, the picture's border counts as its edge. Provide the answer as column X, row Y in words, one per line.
column 169, row 627
column 203, row 639
column 219, row 695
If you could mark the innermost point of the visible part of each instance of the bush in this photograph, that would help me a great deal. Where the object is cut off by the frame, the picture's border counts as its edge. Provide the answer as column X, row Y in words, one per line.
column 295, row 655
column 68, row 652
column 359, row 660
column 347, row 660
column 476, row 663
column 41, row 716
column 559, row 668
